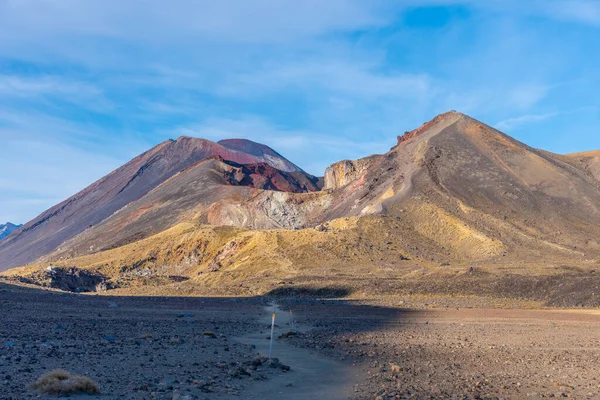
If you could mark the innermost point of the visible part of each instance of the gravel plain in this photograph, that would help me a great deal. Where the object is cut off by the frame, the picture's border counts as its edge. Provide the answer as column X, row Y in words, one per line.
column 459, row 353
column 213, row 348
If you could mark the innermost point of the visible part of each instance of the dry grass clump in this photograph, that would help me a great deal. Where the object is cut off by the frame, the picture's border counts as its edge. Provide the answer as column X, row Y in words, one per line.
column 61, row 382
column 288, row 335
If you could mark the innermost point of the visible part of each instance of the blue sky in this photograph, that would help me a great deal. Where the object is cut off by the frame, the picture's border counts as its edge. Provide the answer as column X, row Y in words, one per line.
column 87, row 85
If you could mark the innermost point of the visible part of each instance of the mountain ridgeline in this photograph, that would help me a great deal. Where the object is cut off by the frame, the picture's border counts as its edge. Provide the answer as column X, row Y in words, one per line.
column 451, row 192
column 7, row 229
column 197, row 160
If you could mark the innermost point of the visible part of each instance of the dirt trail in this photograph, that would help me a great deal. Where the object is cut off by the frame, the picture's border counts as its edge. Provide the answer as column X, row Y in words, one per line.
column 312, row 376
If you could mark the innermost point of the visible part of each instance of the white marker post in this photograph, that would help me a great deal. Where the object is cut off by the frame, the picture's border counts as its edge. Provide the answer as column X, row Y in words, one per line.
column 272, row 331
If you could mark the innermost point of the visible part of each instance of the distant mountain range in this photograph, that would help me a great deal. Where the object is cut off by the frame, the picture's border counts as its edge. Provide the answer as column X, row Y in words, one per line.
column 236, row 215
column 7, row 229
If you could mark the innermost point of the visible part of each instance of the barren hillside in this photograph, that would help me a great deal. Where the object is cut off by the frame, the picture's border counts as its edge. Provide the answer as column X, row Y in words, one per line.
column 129, row 183
column 455, row 207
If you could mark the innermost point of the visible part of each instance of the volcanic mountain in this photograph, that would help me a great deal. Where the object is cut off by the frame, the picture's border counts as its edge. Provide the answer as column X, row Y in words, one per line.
column 451, row 196
column 185, row 157
column 7, row 229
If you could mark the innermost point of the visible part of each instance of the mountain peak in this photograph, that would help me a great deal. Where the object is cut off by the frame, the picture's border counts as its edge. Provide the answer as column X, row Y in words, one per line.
column 240, row 141
column 260, row 150
column 184, row 138
column 133, row 181
column 454, row 189
column 7, row 229
column 446, row 119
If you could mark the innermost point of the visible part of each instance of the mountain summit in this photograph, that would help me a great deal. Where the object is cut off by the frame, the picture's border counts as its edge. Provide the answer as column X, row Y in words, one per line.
column 7, row 229
column 146, row 173
column 225, row 215
column 269, row 155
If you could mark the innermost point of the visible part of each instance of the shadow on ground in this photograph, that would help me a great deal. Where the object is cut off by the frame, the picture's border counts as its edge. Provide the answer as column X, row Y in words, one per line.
column 155, row 347
column 307, row 292
column 171, row 347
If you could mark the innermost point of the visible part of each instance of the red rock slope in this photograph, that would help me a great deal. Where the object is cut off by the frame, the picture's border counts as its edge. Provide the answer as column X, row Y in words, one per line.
column 134, row 180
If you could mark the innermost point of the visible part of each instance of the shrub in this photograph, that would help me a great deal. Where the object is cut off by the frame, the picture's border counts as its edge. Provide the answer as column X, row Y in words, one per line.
column 175, row 340
column 61, row 382
column 288, row 334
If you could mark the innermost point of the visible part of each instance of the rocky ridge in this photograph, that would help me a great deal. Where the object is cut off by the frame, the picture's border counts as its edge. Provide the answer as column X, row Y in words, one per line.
column 452, row 202
column 136, row 179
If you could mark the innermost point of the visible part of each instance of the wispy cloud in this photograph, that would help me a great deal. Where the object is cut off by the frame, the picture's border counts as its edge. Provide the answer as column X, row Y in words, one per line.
column 44, row 174
column 585, row 11
column 238, row 20
column 22, row 86
column 516, row 122
column 527, row 96
column 316, row 80
column 46, row 159
column 341, row 76
column 320, row 149
column 576, row 11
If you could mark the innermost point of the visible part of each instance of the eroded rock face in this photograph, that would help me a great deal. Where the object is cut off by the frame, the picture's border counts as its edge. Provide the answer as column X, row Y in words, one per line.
column 134, row 181
column 346, row 171
column 263, row 176
column 270, row 210
column 69, row 279
column 266, row 153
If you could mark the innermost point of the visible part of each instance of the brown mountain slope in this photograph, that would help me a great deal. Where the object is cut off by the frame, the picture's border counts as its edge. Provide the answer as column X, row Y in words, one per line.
column 357, row 257
column 270, row 156
column 588, row 161
column 456, row 177
column 121, row 187
column 454, row 195
column 188, row 195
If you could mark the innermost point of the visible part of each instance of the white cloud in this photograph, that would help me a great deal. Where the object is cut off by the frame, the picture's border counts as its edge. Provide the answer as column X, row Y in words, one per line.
column 578, row 11
column 316, row 80
column 316, row 150
column 345, row 77
column 516, row 122
column 160, row 21
column 527, row 96
column 46, row 159
column 39, row 174
column 20, row 210
column 584, row 11
column 34, row 86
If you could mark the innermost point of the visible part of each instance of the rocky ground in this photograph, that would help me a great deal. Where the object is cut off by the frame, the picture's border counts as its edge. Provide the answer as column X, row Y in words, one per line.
column 134, row 348
column 199, row 348
column 458, row 353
